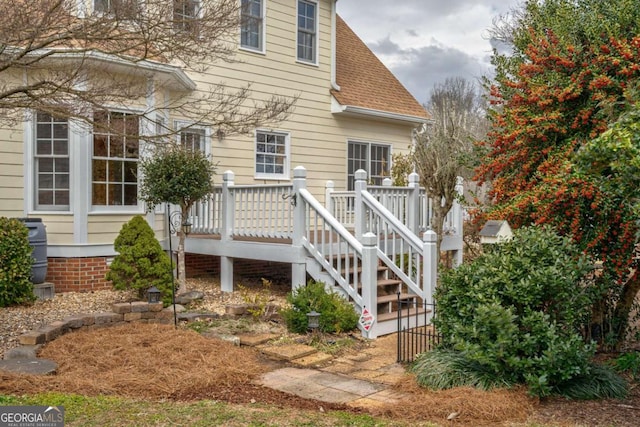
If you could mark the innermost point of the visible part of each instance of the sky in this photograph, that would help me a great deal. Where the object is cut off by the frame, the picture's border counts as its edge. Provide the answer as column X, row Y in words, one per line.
column 425, row 41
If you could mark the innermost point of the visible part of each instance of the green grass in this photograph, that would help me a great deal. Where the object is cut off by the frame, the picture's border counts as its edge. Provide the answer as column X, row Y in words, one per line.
column 81, row 411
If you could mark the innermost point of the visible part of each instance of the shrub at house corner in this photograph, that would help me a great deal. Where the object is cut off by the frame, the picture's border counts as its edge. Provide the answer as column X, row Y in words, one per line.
column 15, row 263
column 513, row 316
column 141, row 262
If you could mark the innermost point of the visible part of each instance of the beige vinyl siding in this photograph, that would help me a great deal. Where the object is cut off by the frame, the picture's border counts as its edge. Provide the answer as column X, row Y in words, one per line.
column 104, row 229
column 59, row 228
column 11, row 164
column 318, row 139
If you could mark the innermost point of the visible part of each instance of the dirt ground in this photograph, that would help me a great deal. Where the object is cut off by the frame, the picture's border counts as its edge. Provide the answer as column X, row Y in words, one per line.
column 160, row 362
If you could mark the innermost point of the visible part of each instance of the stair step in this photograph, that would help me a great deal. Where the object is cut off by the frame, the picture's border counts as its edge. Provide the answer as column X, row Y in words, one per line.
column 359, row 269
column 393, row 315
column 388, row 282
column 394, row 297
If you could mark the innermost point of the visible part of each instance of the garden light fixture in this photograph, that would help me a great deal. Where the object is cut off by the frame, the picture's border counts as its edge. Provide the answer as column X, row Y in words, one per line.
column 313, row 319
column 153, row 295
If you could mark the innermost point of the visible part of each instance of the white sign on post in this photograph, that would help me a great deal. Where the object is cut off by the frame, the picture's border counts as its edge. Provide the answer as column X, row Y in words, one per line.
column 366, row 319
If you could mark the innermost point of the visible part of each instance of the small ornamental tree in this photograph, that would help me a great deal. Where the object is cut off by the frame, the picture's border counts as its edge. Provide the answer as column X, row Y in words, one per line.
column 141, row 263
column 15, row 263
column 180, row 176
column 573, row 72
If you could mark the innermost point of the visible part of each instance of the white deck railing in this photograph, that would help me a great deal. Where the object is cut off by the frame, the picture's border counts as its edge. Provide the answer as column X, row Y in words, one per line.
column 263, row 211
column 411, row 205
column 386, row 222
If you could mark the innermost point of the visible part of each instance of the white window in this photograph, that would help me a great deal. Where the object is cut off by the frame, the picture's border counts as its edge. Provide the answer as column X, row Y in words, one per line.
column 272, row 155
column 128, row 9
column 114, row 162
column 51, row 163
column 252, row 25
column 185, row 13
column 307, row 31
column 193, row 137
column 373, row 158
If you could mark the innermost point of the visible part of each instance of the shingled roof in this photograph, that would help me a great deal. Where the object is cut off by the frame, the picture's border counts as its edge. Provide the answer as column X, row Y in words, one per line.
column 365, row 83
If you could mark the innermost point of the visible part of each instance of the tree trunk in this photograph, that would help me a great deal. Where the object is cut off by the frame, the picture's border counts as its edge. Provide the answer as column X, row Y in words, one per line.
column 182, row 269
column 437, row 224
column 625, row 304
column 182, row 274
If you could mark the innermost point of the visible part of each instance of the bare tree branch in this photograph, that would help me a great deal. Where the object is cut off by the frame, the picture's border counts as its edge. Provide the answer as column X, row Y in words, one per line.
column 59, row 58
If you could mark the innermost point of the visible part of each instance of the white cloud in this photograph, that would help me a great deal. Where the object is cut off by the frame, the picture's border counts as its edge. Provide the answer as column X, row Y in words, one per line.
column 425, row 41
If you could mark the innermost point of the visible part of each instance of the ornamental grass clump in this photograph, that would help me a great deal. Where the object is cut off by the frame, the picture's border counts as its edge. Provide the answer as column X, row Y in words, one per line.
column 141, row 263
column 514, row 316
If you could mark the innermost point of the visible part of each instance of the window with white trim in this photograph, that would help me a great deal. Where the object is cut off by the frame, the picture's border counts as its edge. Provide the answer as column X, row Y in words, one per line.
column 114, row 161
column 51, row 163
column 185, row 13
column 128, row 9
column 307, row 31
column 272, row 155
column 193, row 139
column 252, row 25
column 373, row 158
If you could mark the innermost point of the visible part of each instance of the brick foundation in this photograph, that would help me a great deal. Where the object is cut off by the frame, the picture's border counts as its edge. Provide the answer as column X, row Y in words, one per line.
column 78, row 274
column 88, row 274
column 208, row 265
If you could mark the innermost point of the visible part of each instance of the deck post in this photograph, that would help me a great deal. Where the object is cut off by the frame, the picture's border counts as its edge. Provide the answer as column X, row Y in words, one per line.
column 413, row 204
column 298, row 270
column 226, row 231
column 430, row 264
column 369, row 279
column 360, row 215
column 329, row 188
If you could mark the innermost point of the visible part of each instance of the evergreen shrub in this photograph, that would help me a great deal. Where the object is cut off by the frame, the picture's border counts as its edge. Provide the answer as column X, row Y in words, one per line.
column 141, row 262
column 15, row 263
column 516, row 312
column 336, row 313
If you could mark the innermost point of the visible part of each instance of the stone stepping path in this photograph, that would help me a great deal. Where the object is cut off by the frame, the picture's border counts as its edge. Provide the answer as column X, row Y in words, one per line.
column 29, row 366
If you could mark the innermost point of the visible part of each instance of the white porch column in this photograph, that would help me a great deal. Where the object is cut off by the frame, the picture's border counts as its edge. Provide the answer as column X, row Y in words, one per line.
column 360, row 217
column 329, row 188
column 226, row 231
column 413, row 204
column 298, row 270
column 430, row 265
column 369, row 279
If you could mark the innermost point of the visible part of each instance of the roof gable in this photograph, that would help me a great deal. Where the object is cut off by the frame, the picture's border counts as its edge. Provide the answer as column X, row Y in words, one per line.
column 364, row 80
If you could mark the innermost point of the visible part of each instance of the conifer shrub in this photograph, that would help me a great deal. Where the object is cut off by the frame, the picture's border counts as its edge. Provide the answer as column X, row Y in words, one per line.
column 514, row 316
column 336, row 313
column 15, row 263
column 141, row 262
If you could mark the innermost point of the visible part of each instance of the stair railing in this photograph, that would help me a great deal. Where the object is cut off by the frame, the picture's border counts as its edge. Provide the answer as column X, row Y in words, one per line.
column 331, row 245
column 412, row 261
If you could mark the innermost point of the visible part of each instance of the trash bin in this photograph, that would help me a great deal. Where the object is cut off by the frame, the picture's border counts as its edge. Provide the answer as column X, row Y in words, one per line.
column 38, row 241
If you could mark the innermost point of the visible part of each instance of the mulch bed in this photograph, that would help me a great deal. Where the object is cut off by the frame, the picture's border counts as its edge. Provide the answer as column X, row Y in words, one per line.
column 159, row 362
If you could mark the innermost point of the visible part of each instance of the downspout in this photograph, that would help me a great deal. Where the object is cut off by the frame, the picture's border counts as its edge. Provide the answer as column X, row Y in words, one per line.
column 334, row 84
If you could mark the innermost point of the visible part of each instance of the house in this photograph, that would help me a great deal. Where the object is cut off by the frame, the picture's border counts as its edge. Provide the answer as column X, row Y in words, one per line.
column 303, row 194
column 351, row 113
